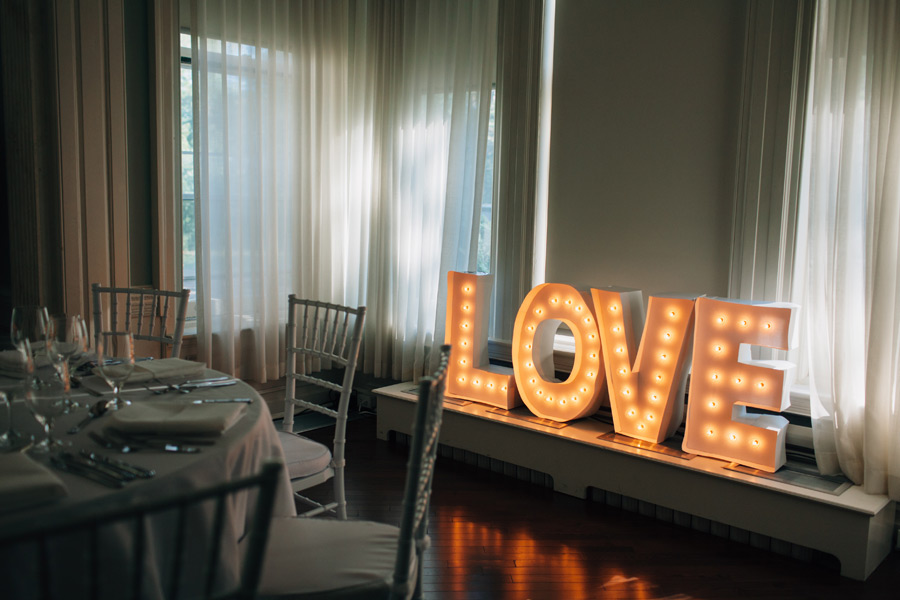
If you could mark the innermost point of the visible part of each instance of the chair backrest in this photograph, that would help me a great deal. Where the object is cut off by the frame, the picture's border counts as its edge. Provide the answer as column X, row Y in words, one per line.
column 65, row 553
column 318, row 333
column 419, row 475
column 144, row 312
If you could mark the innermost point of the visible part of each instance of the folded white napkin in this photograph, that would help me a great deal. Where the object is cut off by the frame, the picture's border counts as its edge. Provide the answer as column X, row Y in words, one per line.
column 12, row 365
column 24, row 482
column 158, row 369
column 175, row 417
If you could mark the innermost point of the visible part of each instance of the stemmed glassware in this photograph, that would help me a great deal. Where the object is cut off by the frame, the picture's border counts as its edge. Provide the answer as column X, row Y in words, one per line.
column 67, row 339
column 29, row 323
column 46, row 399
column 115, row 361
column 5, row 422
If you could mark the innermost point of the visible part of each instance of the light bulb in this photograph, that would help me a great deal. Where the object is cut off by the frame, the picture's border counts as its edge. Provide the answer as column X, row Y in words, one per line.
column 540, row 392
column 673, row 314
column 613, row 308
column 754, row 443
column 626, row 391
column 462, row 379
column 462, row 361
column 465, row 325
column 768, row 326
column 465, row 343
column 620, row 349
column 667, row 335
column 640, row 425
column 592, row 336
column 654, row 397
column 476, row 382
column 491, row 385
column 718, row 348
column 712, row 403
column 579, row 308
column 529, row 364
column 659, row 378
column 623, row 371
column 664, row 356
column 533, row 380
column 650, row 417
column 554, row 300
column 761, row 385
column 617, row 329
column 531, row 328
column 715, row 376
column 468, row 288
column 737, row 380
column 744, row 323
column 590, row 374
column 594, row 355
column 733, row 437
column 528, row 346
column 569, row 301
column 587, row 319
column 721, row 320
column 574, row 398
column 709, row 432
column 539, row 311
column 503, row 389
column 631, row 412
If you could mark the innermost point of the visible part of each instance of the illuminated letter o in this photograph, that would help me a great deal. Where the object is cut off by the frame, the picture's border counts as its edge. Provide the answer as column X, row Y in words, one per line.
column 532, row 353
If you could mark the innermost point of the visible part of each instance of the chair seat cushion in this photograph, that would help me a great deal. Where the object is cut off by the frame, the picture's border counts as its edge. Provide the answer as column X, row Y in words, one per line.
column 303, row 456
column 325, row 557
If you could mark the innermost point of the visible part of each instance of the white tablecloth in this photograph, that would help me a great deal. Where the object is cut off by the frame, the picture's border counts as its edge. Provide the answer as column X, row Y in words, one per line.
column 239, row 452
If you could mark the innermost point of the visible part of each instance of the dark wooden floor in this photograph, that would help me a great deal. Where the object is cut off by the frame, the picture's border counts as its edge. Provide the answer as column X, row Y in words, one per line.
column 495, row 538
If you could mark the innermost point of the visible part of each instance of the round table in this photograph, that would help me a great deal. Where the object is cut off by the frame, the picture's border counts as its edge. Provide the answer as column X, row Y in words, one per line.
column 238, row 452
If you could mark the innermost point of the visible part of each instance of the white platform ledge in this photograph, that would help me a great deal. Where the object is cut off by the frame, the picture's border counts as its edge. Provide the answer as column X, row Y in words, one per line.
column 855, row 527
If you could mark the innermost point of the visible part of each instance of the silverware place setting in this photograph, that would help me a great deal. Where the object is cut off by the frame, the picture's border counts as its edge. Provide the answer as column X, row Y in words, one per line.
column 113, row 473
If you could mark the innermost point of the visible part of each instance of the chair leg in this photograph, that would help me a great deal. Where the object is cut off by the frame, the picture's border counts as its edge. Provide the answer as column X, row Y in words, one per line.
column 417, row 593
column 339, row 495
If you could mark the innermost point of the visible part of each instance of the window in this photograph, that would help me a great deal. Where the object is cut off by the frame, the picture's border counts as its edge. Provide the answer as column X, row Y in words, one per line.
column 485, row 230
column 188, row 230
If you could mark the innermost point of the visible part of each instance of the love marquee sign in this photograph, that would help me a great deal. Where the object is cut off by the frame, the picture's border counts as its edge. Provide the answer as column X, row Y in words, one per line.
column 642, row 364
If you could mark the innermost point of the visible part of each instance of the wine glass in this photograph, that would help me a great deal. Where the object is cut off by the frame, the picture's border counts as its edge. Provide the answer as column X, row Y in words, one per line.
column 47, row 398
column 67, row 339
column 29, row 322
column 115, row 361
column 5, row 421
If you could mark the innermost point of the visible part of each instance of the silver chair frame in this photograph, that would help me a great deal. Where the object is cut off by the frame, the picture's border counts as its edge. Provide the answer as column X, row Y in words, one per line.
column 323, row 335
column 419, row 477
column 151, row 327
column 89, row 519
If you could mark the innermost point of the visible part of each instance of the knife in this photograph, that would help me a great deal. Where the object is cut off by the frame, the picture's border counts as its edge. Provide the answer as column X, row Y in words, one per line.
column 121, row 465
column 84, row 461
column 163, row 445
column 221, row 400
column 186, row 388
column 87, row 473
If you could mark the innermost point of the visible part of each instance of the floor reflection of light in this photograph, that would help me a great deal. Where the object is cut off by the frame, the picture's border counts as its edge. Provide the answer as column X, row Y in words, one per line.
column 505, row 557
column 467, row 543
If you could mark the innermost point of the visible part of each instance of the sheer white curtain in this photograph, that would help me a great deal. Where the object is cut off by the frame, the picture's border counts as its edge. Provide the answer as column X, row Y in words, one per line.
column 849, row 253
column 340, row 148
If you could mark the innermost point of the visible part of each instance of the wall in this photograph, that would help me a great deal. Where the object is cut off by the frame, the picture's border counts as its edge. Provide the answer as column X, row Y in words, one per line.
column 645, row 122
